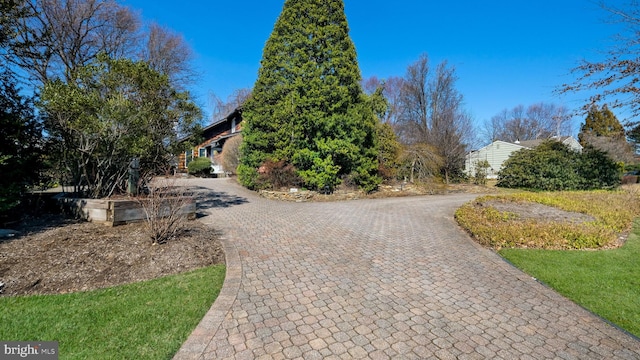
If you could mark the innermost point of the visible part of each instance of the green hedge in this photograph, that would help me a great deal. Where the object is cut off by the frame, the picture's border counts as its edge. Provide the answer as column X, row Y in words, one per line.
column 200, row 166
column 553, row 166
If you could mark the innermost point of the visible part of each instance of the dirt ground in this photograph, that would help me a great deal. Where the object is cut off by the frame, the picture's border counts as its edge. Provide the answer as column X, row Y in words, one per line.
column 538, row 212
column 54, row 255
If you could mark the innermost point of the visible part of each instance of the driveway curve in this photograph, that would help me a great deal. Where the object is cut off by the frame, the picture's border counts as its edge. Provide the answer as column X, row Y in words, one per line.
column 382, row 279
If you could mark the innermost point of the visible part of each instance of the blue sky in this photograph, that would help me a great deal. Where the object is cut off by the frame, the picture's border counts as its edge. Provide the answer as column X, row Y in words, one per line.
column 506, row 53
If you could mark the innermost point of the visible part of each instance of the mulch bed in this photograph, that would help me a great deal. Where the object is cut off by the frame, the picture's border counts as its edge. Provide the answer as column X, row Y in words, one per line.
column 54, row 255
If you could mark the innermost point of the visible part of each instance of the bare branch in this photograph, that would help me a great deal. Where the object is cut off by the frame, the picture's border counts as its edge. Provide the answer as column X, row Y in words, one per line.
column 169, row 54
column 62, row 35
column 615, row 79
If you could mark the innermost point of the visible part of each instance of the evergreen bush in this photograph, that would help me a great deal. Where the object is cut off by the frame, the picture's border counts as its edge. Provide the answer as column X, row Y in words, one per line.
column 200, row 166
column 553, row 166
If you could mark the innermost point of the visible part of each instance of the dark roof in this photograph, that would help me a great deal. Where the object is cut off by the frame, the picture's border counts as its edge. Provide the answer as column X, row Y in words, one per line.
column 533, row 143
column 234, row 113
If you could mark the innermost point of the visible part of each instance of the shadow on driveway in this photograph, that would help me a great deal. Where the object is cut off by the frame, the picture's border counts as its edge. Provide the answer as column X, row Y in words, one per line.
column 207, row 199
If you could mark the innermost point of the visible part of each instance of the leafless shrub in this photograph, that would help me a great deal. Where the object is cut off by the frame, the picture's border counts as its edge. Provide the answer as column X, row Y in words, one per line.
column 230, row 157
column 278, row 175
column 616, row 147
column 166, row 208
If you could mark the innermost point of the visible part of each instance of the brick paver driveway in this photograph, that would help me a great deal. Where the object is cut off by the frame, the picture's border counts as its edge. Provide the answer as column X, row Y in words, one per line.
column 391, row 278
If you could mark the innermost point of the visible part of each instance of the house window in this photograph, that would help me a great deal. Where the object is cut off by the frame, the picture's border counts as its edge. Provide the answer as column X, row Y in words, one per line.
column 188, row 156
column 202, row 152
column 233, row 126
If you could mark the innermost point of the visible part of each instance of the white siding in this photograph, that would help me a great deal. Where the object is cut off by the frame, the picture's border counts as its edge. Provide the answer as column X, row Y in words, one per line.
column 495, row 153
column 498, row 152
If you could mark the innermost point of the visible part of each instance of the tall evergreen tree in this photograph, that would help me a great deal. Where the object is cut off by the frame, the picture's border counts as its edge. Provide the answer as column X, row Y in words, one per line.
column 602, row 130
column 600, row 122
column 20, row 131
column 307, row 107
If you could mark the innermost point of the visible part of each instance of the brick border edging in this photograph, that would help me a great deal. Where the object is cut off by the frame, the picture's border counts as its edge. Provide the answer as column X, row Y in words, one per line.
column 202, row 335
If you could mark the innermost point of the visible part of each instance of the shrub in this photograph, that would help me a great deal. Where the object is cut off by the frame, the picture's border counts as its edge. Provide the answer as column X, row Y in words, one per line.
column 200, row 166
column 277, row 174
column 230, row 157
column 321, row 173
column 598, row 170
column 248, row 176
column 163, row 208
column 553, row 166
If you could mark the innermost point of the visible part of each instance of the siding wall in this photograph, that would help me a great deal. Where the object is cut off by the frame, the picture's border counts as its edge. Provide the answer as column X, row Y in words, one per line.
column 495, row 153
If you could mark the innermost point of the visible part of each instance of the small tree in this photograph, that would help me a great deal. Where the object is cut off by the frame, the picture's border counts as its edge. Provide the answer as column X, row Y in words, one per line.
column 602, row 130
column 113, row 111
column 420, row 162
column 389, row 152
column 481, row 169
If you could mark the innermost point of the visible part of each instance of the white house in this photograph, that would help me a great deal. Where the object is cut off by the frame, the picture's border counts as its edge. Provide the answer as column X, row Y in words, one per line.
column 499, row 151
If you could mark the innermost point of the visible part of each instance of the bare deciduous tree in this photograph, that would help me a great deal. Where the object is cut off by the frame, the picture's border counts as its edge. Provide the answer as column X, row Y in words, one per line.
column 62, row 35
column 223, row 108
column 391, row 89
column 537, row 121
column 451, row 129
column 615, row 79
column 59, row 36
column 432, row 113
column 617, row 148
column 168, row 53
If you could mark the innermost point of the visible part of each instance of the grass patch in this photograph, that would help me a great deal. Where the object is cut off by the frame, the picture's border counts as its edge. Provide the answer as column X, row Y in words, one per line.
column 606, row 282
column 146, row 320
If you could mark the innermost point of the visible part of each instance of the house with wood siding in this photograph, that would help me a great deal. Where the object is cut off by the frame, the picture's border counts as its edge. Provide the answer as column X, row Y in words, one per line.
column 215, row 136
column 499, row 151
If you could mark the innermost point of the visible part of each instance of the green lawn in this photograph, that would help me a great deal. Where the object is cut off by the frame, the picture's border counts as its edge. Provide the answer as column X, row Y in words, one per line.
column 607, row 282
column 147, row 320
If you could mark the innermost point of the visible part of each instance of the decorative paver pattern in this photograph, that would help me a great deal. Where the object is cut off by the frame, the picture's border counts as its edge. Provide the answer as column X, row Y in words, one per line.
column 381, row 279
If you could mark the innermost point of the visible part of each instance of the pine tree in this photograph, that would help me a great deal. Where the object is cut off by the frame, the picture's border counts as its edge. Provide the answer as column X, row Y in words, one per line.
column 307, row 107
column 20, row 131
column 602, row 130
column 600, row 122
